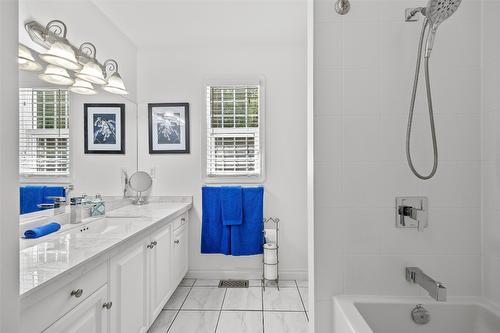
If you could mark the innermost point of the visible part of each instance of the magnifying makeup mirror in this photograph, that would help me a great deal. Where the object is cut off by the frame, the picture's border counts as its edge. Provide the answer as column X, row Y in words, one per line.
column 140, row 182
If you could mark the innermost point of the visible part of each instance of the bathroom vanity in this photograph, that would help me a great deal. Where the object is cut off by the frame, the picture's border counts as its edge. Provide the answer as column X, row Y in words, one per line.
column 111, row 274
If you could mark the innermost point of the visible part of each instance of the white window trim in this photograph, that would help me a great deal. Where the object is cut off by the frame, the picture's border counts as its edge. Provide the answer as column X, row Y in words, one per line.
column 29, row 179
column 233, row 81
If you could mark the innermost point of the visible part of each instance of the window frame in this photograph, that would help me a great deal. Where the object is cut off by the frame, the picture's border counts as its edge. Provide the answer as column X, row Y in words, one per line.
column 27, row 178
column 235, row 81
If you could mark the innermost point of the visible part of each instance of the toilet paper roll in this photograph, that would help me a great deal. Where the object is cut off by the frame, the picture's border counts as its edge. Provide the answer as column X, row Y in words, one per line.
column 270, row 272
column 270, row 235
column 270, row 254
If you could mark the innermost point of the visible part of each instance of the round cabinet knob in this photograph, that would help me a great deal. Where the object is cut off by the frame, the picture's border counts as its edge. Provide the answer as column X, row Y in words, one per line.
column 177, row 241
column 77, row 293
column 107, row 305
column 183, row 219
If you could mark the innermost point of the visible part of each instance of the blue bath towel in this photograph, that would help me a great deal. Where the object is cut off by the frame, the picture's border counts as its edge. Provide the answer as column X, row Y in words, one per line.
column 238, row 240
column 33, row 195
column 247, row 239
column 215, row 237
column 231, row 205
column 42, row 230
column 53, row 191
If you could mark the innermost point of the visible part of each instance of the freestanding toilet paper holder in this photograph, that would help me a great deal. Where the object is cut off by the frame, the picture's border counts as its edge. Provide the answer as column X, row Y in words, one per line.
column 272, row 224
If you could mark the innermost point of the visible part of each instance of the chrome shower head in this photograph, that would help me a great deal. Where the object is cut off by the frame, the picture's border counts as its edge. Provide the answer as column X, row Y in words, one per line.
column 436, row 12
column 439, row 10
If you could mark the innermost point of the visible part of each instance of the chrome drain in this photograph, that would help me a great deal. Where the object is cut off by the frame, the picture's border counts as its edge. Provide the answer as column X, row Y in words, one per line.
column 233, row 284
column 420, row 315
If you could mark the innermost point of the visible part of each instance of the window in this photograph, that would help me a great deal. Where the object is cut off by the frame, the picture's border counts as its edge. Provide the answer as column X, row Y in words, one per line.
column 43, row 132
column 233, row 131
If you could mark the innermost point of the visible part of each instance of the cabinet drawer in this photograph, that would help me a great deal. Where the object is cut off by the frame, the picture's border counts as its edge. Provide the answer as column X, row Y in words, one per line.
column 180, row 221
column 56, row 304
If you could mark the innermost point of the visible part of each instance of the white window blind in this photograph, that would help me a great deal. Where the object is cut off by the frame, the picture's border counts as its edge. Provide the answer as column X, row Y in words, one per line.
column 233, row 131
column 43, row 132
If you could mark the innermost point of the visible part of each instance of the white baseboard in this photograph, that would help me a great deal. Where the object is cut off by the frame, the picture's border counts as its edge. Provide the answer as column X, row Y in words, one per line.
column 300, row 275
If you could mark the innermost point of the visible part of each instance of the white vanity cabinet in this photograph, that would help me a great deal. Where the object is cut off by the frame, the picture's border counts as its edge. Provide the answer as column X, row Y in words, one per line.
column 161, row 286
column 128, row 283
column 121, row 291
column 90, row 316
column 181, row 253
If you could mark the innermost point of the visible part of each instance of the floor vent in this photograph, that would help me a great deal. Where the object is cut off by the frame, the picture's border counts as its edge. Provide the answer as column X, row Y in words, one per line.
column 233, row 284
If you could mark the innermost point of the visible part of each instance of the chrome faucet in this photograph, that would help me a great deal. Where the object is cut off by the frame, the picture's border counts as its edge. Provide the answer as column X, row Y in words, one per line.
column 76, row 209
column 435, row 289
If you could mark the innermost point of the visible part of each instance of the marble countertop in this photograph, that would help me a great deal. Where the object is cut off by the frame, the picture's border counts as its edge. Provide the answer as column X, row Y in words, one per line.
column 50, row 257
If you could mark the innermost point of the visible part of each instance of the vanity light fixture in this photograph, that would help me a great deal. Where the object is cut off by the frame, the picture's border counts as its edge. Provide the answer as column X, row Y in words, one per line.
column 26, row 60
column 91, row 72
column 61, row 55
column 82, row 87
column 56, row 75
column 115, row 83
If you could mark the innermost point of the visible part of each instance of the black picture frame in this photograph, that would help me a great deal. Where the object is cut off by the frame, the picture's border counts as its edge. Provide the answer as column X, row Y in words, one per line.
column 154, row 148
column 121, row 146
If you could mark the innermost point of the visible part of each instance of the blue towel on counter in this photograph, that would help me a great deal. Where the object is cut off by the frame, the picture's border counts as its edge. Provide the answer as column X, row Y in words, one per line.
column 42, row 230
column 31, row 196
column 215, row 237
column 231, row 204
column 237, row 239
column 248, row 238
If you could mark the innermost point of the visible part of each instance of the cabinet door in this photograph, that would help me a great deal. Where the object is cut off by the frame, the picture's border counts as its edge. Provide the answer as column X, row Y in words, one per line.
column 88, row 317
column 181, row 253
column 128, row 283
column 161, row 269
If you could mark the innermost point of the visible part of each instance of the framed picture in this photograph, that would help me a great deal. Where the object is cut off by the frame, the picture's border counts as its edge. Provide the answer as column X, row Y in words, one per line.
column 168, row 128
column 104, row 128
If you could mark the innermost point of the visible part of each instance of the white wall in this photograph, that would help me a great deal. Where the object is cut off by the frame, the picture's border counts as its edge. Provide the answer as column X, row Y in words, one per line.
column 91, row 173
column 364, row 64
column 9, row 205
column 176, row 74
column 491, row 145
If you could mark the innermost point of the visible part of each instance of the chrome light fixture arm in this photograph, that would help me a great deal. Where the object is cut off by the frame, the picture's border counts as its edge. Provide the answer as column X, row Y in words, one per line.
column 110, row 67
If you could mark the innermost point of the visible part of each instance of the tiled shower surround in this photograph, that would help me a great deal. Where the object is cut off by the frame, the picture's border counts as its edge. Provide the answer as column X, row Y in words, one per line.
column 364, row 65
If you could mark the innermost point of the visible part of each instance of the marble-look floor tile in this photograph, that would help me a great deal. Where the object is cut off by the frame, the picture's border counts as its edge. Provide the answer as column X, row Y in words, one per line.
column 304, row 293
column 240, row 322
column 187, row 282
column 255, row 283
column 282, row 284
column 195, row 322
column 285, row 322
column 204, row 298
column 206, row 283
column 163, row 322
column 177, row 298
column 285, row 299
column 243, row 299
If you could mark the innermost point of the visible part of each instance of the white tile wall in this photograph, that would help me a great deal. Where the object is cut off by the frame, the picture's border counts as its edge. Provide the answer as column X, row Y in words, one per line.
column 364, row 65
column 491, row 158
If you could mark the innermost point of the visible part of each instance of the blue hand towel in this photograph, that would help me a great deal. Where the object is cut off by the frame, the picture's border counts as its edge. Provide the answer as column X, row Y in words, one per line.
column 42, row 230
column 31, row 196
column 215, row 237
column 231, row 204
column 248, row 239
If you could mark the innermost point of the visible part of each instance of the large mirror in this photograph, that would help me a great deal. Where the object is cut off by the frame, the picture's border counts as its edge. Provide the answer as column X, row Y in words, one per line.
column 67, row 139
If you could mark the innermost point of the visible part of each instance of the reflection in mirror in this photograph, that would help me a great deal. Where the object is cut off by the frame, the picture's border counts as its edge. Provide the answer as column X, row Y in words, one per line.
column 53, row 165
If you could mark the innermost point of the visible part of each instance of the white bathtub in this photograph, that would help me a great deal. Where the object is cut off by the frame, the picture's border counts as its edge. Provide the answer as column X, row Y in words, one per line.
column 359, row 314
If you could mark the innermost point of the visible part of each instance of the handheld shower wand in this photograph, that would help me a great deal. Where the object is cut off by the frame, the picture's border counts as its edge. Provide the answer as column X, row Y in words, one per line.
column 435, row 13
